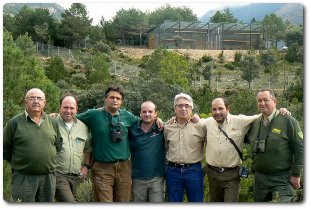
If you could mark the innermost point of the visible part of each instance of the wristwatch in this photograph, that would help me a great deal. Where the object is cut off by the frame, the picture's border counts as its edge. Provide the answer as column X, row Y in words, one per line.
column 87, row 165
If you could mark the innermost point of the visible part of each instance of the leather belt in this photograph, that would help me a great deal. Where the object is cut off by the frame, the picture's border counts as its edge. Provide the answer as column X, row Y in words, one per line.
column 221, row 169
column 116, row 161
column 180, row 165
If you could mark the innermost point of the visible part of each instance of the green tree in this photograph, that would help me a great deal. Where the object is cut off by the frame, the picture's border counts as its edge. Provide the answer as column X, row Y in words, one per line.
column 225, row 16
column 75, row 25
column 25, row 43
column 96, row 34
column 37, row 23
column 152, row 63
column 269, row 60
column 250, row 68
column 274, row 27
column 99, row 69
column 167, row 12
column 22, row 72
column 56, row 69
column 207, row 73
column 294, row 35
column 174, row 69
column 131, row 21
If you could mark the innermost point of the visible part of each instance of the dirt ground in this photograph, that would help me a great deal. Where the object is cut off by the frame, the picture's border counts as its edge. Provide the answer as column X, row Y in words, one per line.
column 138, row 53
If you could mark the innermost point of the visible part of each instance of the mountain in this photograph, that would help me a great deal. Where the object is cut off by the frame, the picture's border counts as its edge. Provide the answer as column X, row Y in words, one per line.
column 14, row 8
column 288, row 11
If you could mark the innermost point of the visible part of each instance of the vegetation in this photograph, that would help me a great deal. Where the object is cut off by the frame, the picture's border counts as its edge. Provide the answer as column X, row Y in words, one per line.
column 158, row 77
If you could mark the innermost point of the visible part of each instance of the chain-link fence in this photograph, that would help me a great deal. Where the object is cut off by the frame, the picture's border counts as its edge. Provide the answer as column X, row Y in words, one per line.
column 48, row 50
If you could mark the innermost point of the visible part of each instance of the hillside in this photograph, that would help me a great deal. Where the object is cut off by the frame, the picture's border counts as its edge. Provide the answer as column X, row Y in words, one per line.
column 195, row 54
column 14, row 8
column 291, row 12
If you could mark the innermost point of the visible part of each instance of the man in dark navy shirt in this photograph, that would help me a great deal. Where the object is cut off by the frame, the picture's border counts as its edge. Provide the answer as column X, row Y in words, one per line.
column 147, row 146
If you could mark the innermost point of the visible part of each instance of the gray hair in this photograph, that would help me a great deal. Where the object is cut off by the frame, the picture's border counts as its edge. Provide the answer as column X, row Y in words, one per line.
column 183, row 96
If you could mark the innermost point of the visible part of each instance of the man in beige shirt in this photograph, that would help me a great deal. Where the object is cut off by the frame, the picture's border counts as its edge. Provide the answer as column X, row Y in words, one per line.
column 185, row 142
column 223, row 159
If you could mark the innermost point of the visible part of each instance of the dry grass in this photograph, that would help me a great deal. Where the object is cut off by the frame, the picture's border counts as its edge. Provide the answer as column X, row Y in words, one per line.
column 195, row 54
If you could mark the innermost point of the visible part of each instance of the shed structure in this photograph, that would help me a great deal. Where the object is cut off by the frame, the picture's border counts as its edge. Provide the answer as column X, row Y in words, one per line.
column 210, row 36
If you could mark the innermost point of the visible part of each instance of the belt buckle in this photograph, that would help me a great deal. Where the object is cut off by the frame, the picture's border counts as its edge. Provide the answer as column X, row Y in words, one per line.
column 182, row 164
column 221, row 170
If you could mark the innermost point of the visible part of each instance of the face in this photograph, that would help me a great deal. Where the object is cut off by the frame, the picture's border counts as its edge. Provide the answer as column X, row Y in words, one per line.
column 35, row 101
column 219, row 110
column 148, row 113
column 113, row 101
column 68, row 109
column 265, row 103
column 183, row 110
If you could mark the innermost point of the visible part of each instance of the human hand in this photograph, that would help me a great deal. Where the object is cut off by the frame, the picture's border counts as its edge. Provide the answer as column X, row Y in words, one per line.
column 284, row 111
column 160, row 124
column 172, row 120
column 295, row 182
column 83, row 172
column 195, row 118
column 53, row 115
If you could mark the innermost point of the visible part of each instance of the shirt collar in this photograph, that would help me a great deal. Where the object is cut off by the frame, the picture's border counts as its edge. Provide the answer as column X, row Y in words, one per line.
column 154, row 126
column 41, row 118
column 271, row 116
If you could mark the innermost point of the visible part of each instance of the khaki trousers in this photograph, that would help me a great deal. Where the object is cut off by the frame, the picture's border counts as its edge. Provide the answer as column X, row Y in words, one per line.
column 112, row 181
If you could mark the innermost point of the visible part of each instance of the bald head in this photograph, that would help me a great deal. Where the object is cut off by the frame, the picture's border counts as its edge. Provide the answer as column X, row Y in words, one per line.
column 68, row 108
column 148, row 112
column 35, row 101
column 35, row 91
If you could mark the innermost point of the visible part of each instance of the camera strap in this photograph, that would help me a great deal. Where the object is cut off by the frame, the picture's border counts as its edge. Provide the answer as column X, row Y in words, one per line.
column 232, row 141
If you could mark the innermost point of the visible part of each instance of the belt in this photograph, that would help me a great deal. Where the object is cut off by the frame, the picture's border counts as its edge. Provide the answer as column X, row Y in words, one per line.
column 180, row 165
column 72, row 174
column 221, row 169
column 116, row 161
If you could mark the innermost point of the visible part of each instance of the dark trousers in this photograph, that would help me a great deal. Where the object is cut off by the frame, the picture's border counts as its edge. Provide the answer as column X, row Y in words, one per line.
column 33, row 188
column 189, row 179
column 225, row 186
column 277, row 188
column 66, row 186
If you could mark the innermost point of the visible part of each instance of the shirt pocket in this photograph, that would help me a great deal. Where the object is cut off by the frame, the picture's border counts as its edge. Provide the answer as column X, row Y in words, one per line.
column 79, row 143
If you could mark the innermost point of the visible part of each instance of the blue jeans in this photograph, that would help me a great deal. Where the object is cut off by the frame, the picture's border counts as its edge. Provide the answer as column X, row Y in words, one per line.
column 189, row 179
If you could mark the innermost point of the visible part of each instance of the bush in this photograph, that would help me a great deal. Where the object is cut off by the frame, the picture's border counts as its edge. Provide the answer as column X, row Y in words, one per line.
column 206, row 58
column 229, row 66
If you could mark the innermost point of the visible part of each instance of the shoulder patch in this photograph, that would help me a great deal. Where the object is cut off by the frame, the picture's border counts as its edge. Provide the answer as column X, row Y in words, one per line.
column 301, row 135
column 276, row 131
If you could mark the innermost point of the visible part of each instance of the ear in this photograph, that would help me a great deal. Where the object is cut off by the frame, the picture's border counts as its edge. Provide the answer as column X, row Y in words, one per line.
column 228, row 108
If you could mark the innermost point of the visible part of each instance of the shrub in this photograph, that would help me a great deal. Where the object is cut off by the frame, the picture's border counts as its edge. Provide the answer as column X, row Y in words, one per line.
column 206, row 58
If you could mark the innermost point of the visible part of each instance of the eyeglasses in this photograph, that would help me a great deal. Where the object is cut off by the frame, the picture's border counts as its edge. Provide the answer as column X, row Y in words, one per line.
column 40, row 99
column 184, row 105
column 263, row 100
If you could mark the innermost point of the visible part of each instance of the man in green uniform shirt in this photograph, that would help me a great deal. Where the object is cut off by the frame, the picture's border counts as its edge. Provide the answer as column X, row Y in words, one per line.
column 111, row 169
column 30, row 142
column 277, row 146
column 71, row 164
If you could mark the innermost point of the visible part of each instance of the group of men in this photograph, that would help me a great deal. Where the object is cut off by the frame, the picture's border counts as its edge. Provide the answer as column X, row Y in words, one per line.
column 133, row 155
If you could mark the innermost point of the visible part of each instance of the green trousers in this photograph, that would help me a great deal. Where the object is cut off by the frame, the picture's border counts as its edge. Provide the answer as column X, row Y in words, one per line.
column 269, row 188
column 33, row 188
column 225, row 186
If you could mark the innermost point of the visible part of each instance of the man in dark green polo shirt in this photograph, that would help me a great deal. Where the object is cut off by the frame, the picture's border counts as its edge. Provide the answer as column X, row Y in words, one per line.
column 147, row 146
column 277, row 145
column 30, row 142
column 111, row 170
